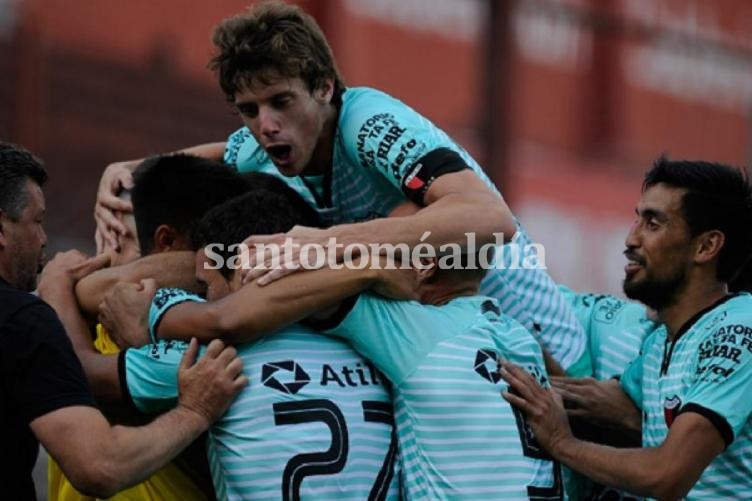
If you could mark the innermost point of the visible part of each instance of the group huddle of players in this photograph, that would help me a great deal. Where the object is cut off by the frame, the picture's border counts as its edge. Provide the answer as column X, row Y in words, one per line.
column 420, row 383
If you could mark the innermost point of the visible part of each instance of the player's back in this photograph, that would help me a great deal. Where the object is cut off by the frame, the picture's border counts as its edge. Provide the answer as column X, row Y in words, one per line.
column 315, row 422
column 477, row 443
column 459, row 439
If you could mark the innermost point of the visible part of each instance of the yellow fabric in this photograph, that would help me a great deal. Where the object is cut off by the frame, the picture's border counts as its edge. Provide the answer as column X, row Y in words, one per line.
column 104, row 343
column 169, row 483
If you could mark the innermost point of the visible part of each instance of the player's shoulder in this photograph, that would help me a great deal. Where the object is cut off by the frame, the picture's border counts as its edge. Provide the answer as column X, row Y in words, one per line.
column 363, row 96
column 303, row 338
column 364, row 105
column 739, row 304
column 27, row 312
column 611, row 309
column 243, row 152
column 733, row 315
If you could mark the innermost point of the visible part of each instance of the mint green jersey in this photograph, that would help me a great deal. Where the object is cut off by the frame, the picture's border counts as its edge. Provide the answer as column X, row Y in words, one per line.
column 386, row 153
column 315, row 422
column 706, row 369
column 458, row 438
column 614, row 328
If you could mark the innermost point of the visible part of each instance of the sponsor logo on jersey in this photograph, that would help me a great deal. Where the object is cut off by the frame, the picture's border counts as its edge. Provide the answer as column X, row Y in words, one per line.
column 671, row 406
column 286, row 376
column 486, row 365
column 607, row 309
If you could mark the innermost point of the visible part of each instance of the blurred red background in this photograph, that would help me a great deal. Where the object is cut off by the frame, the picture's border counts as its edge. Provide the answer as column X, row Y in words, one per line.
column 565, row 102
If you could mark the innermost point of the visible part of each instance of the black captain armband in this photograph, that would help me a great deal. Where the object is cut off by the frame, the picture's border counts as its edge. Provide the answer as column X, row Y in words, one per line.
column 427, row 169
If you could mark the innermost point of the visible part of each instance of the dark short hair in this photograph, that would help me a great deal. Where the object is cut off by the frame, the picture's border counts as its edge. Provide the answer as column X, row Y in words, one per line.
column 177, row 190
column 17, row 165
column 718, row 197
column 269, row 207
column 273, row 37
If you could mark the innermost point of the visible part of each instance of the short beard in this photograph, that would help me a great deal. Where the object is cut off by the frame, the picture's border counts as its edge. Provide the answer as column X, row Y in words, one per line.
column 657, row 293
column 25, row 278
column 27, row 281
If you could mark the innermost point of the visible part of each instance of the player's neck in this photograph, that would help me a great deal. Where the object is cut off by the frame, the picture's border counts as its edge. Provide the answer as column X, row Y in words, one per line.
column 440, row 293
column 321, row 158
column 696, row 297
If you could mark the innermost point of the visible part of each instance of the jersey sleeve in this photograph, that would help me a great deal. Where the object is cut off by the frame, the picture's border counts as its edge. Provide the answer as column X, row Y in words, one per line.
column 149, row 375
column 631, row 381
column 163, row 300
column 237, row 147
column 722, row 388
column 383, row 330
column 383, row 134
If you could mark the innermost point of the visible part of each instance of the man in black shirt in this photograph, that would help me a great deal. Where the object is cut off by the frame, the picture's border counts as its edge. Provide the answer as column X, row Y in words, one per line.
column 44, row 394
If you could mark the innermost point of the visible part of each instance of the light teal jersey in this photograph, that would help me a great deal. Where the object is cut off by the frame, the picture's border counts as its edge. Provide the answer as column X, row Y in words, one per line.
column 615, row 330
column 458, row 438
column 378, row 162
column 315, row 422
column 707, row 369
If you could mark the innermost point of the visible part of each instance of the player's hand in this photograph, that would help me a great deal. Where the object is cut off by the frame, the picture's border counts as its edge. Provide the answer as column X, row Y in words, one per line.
column 282, row 254
column 542, row 406
column 603, row 402
column 115, row 176
column 124, row 312
column 208, row 387
column 67, row 268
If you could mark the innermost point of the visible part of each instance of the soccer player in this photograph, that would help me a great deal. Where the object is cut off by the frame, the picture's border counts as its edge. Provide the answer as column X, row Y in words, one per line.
column 44, row 396
column 357, row 153
column 615, row 330
column 317, row 420
column 458, row 439
column 693, row 378
column 170, row 481
column 167, row 215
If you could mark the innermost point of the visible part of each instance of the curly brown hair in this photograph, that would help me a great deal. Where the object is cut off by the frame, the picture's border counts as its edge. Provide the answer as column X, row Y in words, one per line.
column 273, row 39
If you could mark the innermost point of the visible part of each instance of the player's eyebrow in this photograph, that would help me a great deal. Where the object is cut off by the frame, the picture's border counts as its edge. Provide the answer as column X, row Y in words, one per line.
column 649, row 213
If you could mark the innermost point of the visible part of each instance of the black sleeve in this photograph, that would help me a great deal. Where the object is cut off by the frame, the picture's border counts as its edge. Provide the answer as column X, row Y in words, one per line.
column 427, row 169
column 336, row 318
column 39, row 367
column 716, row 419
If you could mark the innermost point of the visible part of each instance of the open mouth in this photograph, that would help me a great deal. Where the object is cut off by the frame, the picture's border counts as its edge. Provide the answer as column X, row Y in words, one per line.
column 634, row 263
column 279, row 153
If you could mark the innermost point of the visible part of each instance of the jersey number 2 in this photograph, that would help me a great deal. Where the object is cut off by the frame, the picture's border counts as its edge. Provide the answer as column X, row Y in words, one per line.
column 332, row 460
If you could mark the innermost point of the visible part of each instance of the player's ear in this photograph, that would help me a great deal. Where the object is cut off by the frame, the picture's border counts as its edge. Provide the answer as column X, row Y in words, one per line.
column 708, row 246
column 323, row 94
column 164, row 238
column 426, row 269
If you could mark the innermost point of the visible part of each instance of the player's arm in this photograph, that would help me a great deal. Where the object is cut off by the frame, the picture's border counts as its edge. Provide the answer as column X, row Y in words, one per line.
column 120, row 175
column 252, row 311
column 102, row 459
column 665, row 472
column 170, row 269
column 456, row 203
column 101, row 370
column 56, row 288
column 386, row 137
